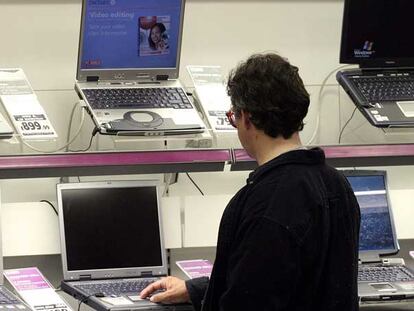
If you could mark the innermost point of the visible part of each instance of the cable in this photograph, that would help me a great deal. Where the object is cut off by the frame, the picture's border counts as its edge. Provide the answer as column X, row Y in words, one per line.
column 316, row 131
column 94, row 132
column 63, row 147
column 48, row 202
column 71, row 120
column 87, row 297
column 189, row 177
column 346, row 123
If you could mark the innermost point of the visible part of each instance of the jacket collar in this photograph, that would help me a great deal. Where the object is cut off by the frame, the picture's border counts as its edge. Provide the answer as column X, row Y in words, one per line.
column 302, row 156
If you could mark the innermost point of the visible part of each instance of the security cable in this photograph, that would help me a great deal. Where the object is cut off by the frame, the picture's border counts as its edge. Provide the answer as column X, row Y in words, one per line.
column 71, row 120
column 347, row 122
column 48, row 202
column 84, row 299
column 319, row 103
column 198, row 188
column 63, row 147
column 94, row 132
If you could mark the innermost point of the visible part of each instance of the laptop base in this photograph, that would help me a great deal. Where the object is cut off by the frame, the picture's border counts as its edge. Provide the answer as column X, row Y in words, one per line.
column 99, row 304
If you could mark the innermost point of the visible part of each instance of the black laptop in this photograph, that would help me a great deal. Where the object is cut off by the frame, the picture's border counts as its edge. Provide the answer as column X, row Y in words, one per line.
column 380, row 278
column 377, row 36
column 112, row 243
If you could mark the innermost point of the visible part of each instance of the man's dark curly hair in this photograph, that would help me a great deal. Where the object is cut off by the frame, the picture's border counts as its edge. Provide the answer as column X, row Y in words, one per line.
column 270, row 89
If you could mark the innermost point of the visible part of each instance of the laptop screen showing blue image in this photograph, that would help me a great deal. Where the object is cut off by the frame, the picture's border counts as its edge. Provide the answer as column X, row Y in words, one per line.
column 130, row 34
column 376, row 231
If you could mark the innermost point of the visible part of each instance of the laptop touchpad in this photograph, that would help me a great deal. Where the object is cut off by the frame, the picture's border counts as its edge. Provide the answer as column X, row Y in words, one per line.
column 142, row 117
column 407, row 108
column 383, row 287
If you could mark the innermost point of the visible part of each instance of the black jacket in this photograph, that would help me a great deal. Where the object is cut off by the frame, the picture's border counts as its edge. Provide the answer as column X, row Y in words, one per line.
column 288, row 240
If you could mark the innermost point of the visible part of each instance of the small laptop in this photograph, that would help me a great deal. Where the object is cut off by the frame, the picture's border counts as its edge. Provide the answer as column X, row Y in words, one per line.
column 8, row 300
column 128, row 66
column 112, row 243
column 377, row 36
column 379, row 278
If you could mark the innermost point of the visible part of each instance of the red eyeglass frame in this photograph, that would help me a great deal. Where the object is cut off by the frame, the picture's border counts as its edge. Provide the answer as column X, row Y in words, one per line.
column 231, row 118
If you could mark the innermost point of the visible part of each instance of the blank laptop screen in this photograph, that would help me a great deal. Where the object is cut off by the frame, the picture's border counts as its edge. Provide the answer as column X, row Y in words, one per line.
column 376, row 231
column 111, row 228
column 377, row 29
column 130, row 34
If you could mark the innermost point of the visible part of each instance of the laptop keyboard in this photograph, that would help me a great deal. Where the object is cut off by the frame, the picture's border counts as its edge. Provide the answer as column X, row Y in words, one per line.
column 116, row 287
column 126, row 98
column 384, row 274
column 6, row 298
column 386, row 88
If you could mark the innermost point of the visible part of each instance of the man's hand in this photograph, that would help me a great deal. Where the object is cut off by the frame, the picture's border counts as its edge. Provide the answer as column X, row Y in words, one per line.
column 175, row 291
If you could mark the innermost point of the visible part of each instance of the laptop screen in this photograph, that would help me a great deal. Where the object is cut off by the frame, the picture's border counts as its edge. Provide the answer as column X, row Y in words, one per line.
column 376, row 231
column 111, row 227
column 128, row 34
column 377, row 31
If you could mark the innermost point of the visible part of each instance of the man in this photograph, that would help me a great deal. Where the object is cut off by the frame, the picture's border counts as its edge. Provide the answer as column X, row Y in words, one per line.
column 288, row 240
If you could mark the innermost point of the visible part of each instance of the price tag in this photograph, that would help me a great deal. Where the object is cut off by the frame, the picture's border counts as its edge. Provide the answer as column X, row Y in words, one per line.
column 31, row 125
column 21, row 103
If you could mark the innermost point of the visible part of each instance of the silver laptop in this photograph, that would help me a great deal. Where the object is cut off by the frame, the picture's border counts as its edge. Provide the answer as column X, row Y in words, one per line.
column 112, row 243
column 379, row 278
column 128, row 65
column 8, row 300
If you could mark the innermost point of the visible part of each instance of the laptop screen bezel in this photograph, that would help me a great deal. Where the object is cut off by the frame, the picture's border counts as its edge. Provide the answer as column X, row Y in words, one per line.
column 145, row 74
column 116, row 272
column 366, row 63
column 383, row 174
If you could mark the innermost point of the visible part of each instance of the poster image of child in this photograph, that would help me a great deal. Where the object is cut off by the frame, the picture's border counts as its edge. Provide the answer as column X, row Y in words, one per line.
column 153, row 35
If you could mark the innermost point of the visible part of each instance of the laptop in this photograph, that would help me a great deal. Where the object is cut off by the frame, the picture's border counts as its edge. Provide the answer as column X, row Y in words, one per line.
column 379, row 278
column 112, row 243
column 7, row 299
column 377, row 36
column 128, row 66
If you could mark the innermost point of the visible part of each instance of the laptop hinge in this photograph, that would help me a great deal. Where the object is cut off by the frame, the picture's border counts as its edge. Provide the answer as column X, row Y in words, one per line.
column 92, row 78
column 393, row 261
column 161, row 77
column 367, row 258
column 147, row 273
column 83, row 277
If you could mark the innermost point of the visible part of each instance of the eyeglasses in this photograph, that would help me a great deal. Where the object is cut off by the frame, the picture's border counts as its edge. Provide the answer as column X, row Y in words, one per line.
column 231, row 118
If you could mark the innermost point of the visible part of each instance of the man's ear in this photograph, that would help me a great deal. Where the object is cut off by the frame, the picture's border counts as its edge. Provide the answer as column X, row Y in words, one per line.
column 245, row 118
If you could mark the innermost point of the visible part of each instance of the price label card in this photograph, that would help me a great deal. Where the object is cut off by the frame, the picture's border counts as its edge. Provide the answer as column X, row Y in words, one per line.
column 28, row 116
column 196, row 268
column 35, row 289
column 33, row 125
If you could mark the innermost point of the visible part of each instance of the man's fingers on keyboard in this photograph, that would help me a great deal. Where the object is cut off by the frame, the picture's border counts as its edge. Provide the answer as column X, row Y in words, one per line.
column 160, row 284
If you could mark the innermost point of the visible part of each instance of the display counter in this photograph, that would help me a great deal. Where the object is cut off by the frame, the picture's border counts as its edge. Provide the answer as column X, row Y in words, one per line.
column 51, row 267
column 183, row 160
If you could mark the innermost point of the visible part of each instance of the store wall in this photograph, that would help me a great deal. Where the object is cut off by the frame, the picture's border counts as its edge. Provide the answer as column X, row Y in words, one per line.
column 41, row 36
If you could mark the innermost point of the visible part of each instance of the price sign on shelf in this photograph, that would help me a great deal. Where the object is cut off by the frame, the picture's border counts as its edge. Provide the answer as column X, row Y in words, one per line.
column 33, row 125
column 21, row 103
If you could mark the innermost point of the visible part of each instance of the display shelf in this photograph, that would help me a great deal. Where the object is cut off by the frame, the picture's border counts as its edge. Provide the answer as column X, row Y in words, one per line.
column 173, row 161
column 348, row 156
column 113, row 163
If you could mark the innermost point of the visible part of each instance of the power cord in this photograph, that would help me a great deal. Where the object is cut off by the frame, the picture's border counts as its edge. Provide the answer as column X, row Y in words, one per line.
column 84, row 299
column 66, row 145
column 48, row 202
column 346, row 123
column 318, row 111
column 194, row 183
column 94, row 132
